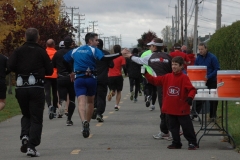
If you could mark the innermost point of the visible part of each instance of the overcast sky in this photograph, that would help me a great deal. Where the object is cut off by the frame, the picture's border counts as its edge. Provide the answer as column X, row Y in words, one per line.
column 131, row 18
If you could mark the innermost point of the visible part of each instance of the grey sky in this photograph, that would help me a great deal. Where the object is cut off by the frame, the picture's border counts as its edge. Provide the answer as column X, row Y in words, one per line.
column 131, row 18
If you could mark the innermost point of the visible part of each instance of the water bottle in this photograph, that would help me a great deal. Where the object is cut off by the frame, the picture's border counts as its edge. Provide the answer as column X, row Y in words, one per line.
column 31, row 80
column 19, row 81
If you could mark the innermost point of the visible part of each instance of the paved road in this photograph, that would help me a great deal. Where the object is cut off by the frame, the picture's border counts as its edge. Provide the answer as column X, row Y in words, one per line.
column 125, row 135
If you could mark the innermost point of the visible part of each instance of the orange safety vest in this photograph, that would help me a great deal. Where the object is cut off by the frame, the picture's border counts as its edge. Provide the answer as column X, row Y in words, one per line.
column 51, row 52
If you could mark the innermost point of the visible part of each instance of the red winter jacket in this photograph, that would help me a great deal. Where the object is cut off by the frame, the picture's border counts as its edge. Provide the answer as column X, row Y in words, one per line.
column 176, row 89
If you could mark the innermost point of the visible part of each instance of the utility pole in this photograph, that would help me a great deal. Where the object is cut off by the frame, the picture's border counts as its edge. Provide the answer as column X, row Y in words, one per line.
column 79, row 26
column 172, row 30
column 181, row 21
column 178, row 22
column 104, row 42
column 176, row 33
column 185, row 39
column 72, row 9
column 93, row 25
column 195, row 36
column 219, row 14
column 99, row 35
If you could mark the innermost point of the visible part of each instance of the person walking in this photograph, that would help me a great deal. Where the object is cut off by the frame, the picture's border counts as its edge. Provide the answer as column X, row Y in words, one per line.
column 115, row 78
column 85, row 84
column 206, row 58
column 102, row 84
column 134, row 74
column 50, row 84
column 3, row 87
column 31, row 63
column 158, row 63
column 65, row 84
column 178, row 94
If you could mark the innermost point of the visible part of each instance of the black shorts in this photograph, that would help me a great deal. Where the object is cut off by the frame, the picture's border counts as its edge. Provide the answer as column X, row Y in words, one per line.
column 3, row 89
column 115, row 83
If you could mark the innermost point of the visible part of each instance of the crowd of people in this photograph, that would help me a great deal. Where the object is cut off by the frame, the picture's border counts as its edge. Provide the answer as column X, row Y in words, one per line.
column 92, row 75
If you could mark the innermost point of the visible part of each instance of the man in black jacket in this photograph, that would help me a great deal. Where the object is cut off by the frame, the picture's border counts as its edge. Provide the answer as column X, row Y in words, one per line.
column 134, row 74
column 3, row 72
column 102, row 76
column 30, row 63
column 65, row 84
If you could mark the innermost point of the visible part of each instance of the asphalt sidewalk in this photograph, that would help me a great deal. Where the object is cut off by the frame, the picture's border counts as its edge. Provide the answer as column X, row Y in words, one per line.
column 125, row 134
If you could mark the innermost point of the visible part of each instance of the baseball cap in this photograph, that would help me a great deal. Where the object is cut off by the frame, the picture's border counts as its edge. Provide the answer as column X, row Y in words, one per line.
column 61, row 44
column 154, row 43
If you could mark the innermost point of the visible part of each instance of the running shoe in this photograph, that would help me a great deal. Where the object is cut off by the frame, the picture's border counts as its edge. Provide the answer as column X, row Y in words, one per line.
column 109, row 97
column 132, row 94
column 33, row 152
column 24, row 144
column 173, row 146
column 86, row 130
column 148, row 100
column 152, row 108
column 100, row 118
column 69, row 123
column 135, row 100
column 161, row 135
column 116, row 108
column 51, row 112
column 192, row 147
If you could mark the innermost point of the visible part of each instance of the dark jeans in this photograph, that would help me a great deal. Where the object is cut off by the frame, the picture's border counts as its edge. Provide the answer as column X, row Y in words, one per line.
column 188, row 131
column 152, row 91
column 136, row 82
column 213, row 104
column 66, row 87
column 163, row 116
column 31, row 102
column 100, row 98
column 51, row 83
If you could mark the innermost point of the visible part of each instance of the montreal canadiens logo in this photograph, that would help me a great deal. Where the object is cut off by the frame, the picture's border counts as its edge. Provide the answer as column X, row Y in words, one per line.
column 173, row 91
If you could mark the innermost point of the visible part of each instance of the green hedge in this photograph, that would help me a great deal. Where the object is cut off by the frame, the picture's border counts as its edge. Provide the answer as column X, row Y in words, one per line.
column 225, row 44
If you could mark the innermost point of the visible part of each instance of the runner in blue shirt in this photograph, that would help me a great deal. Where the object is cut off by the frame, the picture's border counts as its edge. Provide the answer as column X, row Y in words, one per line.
column 85, row 84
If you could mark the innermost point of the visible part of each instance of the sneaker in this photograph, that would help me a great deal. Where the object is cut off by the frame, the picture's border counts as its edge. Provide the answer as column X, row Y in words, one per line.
column 148, row 101
column 152, row 108
column 94, row 115
column 169, row 138
column 116, row 108
column 173, row 146
column 86, row 130
column 69, row 123
column 66, row 113
column 33, row 152
column 50, row 111
column 24, row 144
column 60, row 116
column 132, row 94
column 61, row 109
column 192, row 147
column 135, row 100
column 161, row 135
column 100, row 118
column 140, row 94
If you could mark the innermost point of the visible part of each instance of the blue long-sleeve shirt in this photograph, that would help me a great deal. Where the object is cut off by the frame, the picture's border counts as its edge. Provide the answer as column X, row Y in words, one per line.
column 211, row 61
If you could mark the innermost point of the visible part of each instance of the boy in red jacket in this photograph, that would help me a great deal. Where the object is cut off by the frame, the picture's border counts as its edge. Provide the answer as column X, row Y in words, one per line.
column 178, row 94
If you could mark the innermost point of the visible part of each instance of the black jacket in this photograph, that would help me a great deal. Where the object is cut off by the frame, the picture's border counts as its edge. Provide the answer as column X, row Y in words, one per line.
column 133, row 69
column 102, row 69
column 31, row 58
column 58, row 62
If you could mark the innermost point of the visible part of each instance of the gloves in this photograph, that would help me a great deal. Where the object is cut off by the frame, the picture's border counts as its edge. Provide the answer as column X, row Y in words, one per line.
column 189, row 100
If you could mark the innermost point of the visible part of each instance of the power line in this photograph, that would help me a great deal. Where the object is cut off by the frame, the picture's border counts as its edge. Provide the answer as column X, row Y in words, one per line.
column 224, row 4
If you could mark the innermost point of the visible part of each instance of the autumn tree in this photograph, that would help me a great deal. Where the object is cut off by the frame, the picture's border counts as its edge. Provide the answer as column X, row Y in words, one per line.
column 146, row 38
column 31, row 13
